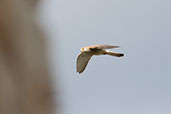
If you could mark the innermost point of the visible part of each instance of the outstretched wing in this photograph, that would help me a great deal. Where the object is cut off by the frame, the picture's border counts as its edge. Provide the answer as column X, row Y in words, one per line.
column 102, row 47
column 82, row 61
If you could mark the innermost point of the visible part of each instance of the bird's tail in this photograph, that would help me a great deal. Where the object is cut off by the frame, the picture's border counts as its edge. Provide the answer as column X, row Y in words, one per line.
column 114, row 54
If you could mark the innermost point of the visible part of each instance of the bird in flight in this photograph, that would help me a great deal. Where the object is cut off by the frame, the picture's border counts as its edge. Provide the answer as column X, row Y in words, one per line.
column 88, row 51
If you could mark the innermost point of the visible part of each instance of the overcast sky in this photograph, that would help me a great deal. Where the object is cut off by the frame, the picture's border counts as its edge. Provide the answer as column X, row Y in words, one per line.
column 139, row 82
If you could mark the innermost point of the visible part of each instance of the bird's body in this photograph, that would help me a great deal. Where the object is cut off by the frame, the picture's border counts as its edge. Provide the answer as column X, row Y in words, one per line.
column 96, row 52
column 88, row 51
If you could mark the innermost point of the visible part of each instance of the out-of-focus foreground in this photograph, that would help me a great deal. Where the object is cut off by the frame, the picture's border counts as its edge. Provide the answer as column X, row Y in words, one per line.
column 25, row 85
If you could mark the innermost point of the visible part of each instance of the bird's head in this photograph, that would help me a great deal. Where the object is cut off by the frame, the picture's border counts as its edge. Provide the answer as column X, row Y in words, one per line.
column 82, row 49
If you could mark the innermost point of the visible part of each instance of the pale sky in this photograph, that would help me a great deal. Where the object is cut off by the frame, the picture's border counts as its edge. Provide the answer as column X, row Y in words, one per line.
column 139, row 82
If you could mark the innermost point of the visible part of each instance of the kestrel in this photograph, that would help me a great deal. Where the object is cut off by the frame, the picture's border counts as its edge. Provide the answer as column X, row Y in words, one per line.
column 88, row 51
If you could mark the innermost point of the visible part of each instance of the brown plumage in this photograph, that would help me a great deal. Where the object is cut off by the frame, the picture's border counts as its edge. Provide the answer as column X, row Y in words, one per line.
column 88, row 51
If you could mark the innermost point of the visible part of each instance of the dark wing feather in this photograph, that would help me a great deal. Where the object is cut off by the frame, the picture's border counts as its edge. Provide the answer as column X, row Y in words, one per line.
column 82, row 61
column 102, row 47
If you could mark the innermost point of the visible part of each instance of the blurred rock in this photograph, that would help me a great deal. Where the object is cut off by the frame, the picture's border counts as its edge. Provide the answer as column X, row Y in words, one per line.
column 25, row 83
